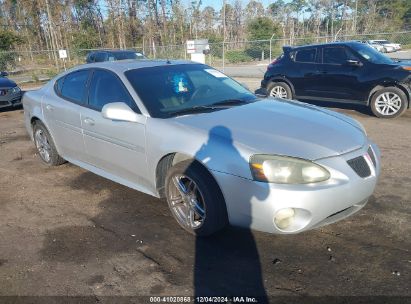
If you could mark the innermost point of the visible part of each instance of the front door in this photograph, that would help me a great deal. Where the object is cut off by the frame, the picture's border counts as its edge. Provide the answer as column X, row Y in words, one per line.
column 116, row 147
column 338, row 79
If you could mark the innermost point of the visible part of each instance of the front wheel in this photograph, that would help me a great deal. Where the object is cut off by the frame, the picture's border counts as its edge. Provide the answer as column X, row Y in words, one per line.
column 279, row 90
column 194, row 198
column 388, row 102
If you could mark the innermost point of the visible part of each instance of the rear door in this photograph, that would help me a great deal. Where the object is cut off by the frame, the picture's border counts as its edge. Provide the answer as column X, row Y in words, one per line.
column 304, row 71
column 117, row 147
column 61, row 107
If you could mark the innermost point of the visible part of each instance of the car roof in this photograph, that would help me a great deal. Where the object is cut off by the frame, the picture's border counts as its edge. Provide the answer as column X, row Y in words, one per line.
column 114, row 51
column 121, row 66
column 337, row 43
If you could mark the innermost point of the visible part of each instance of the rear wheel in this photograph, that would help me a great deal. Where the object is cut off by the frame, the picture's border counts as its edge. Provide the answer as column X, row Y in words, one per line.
column 194, row 198
column 388, row 102
column 45, row 145
column 279, row 90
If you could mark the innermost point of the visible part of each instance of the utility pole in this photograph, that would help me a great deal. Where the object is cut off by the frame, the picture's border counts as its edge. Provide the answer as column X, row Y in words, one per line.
column 52, row 34
column 356, row 16
column 223, row 34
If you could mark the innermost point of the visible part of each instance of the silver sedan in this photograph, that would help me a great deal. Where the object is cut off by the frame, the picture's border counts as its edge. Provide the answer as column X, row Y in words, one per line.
column 218, row 153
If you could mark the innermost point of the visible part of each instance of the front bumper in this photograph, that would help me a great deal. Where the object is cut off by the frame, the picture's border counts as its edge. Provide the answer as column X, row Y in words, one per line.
column 10, row 100
column 253, row 204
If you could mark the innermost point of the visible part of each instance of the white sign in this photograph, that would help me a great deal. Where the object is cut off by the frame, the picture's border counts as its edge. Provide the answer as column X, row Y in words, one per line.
column 191, row 47
column 199, row 46
column 62, row 54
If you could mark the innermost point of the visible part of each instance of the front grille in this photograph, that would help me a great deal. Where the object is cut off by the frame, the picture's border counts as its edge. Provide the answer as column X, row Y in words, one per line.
column 3, row 92
column 372, row 156
column 360, row 166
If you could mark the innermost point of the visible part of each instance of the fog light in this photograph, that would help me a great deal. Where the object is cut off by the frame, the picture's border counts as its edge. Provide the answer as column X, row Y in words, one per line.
column 284, row 218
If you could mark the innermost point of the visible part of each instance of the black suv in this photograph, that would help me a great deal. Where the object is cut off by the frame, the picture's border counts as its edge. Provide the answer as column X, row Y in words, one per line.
column 113, row 55
column 349, row 72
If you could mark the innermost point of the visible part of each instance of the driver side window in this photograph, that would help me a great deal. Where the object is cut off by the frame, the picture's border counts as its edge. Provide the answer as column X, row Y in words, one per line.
column 337, row 55
column 105, row 87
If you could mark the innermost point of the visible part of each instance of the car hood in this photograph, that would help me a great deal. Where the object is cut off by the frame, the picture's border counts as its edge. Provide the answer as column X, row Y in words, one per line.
column 6, row 83
column 283, row 128
column 403, row 63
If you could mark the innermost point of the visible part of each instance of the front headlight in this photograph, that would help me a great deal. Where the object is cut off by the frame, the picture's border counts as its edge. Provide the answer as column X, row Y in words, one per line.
column 15, row 90
column 286, row 170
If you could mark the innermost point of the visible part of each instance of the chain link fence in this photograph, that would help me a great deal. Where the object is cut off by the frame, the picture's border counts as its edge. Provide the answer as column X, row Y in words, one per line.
column 35, row 66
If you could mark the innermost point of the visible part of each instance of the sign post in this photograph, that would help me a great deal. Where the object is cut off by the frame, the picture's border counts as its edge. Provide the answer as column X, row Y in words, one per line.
column 63, row 56
column 198, row 49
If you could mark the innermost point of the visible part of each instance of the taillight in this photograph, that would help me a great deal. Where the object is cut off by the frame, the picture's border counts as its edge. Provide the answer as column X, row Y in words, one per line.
column 272, row 63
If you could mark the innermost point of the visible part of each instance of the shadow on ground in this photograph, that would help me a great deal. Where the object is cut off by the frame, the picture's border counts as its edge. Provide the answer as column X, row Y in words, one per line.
column 139, row 225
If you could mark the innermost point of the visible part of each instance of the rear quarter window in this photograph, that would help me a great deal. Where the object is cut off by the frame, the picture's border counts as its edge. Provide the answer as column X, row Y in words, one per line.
column 58, row 85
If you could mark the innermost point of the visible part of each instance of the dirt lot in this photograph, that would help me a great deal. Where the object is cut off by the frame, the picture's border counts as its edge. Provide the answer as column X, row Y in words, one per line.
column 64, row 231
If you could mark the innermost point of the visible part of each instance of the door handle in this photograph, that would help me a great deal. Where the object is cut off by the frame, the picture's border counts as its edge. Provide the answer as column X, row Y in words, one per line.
column 49, row 107
column 89, row 121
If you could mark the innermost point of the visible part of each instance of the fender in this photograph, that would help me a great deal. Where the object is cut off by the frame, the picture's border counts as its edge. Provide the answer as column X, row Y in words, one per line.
column 401, row 86
column 282, row 78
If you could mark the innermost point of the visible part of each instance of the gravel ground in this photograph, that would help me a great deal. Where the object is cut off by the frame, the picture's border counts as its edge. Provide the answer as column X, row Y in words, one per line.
column 65, row 231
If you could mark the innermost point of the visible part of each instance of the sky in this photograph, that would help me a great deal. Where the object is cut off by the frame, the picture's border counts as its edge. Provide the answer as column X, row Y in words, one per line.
column 217, row 4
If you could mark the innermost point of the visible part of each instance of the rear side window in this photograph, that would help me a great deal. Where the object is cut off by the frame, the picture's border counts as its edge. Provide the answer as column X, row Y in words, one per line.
column 105, row 87
column 59, row 85
column 100, row 57
column 306, row 55
column 74, row 86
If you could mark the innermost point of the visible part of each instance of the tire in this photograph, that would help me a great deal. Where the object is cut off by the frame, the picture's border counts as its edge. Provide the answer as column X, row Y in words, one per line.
column 279, row 90
column 203, row 199
column 389, row 102
column 45, row 145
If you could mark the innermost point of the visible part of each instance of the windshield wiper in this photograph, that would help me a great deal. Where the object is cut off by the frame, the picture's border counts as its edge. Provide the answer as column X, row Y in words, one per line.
column 228, row 102
column 214, row 106
column 195, row 109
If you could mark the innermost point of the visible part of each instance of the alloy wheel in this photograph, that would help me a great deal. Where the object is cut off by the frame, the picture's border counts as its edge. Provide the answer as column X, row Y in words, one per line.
column 388, row 103
column 43, row 145
column 187, row 202
column 278, row 91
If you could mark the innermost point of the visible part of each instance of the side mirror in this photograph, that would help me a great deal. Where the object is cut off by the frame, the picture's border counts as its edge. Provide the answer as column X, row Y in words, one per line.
column 354, row 63
column 4, row 74
column 119, row 111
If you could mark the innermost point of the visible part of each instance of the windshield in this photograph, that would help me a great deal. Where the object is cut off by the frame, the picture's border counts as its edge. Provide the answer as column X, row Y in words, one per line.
column 371, row 54
column 126, row 55
column 171, row 89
